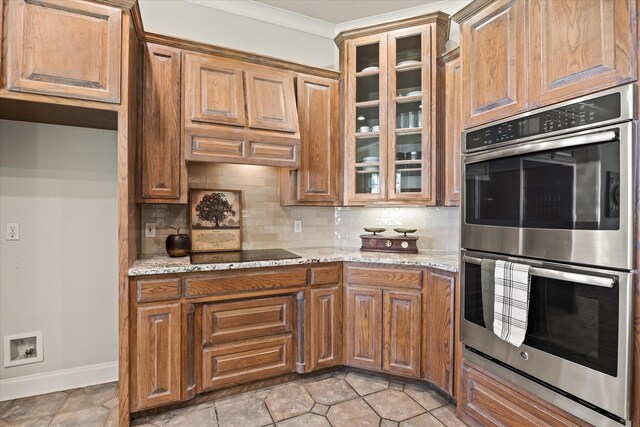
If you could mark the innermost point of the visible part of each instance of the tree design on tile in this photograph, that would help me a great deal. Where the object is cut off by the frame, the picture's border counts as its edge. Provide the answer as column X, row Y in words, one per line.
column 214, row 208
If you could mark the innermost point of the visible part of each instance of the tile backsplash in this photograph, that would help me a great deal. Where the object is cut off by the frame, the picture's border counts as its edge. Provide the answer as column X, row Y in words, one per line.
column 266, row 224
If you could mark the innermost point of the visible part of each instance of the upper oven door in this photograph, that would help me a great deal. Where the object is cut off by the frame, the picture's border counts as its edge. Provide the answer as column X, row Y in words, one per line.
column 578, row 328
column 567, row 198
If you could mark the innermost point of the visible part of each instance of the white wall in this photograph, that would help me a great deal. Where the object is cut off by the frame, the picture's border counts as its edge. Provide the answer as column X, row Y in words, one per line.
column 60, row 184
column 204, row 24
column 208, row 25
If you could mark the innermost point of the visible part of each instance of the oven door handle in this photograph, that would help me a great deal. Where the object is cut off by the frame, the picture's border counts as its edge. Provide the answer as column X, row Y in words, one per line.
column 583, row 279
column 551, row 144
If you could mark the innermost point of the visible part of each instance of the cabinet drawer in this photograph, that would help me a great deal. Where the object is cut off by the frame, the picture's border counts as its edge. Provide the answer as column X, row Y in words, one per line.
column 246, row 361
column 224, row 284
column 384, row 277
column 157, row 290
column 493, row 403
column 325, row 275
column 246, row 319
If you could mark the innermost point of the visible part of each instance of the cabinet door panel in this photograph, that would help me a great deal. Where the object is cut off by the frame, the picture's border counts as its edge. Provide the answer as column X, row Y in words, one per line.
column 66, row 48
column 493, row 55
column 402, row 332
column 214, row 90
column 318, row 115
column 246, row 361
column 158, row 355
column 440, row 329
column 580, row 46
column 364, row 327
column 365, row 104
column 325, row 327
column 163, row 171
column 452, row 162
column 271, row 103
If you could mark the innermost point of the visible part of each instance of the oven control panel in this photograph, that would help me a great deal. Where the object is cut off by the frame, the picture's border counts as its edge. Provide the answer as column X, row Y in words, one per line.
column 568, row 116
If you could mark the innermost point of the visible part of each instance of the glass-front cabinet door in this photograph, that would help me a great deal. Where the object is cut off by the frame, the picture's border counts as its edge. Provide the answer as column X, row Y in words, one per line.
column 366, row 134
column 408, row 133
column 389, row 137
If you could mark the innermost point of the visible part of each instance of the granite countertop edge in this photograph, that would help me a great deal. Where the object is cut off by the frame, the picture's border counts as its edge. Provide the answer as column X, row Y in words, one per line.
column 163, row 264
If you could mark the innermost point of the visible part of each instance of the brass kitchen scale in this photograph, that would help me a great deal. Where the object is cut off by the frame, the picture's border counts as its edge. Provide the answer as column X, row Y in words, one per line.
column 401, row 243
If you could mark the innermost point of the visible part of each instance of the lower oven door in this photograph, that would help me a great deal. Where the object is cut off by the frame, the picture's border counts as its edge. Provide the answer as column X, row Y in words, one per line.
column 578, row 334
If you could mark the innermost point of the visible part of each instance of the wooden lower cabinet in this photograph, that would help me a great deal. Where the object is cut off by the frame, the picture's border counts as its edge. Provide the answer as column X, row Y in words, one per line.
column 401, row 332
column 199, row 332
column 325, row 315
column 383, row 326
column 246, row 361
column 439, row 320
column 489, row 401
column 157, row 356
column 364, row 327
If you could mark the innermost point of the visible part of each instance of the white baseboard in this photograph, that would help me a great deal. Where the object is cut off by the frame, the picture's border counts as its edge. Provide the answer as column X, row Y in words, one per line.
column 64, row 379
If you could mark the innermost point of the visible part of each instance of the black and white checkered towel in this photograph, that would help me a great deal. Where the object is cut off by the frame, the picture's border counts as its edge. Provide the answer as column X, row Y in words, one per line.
column 511, row 302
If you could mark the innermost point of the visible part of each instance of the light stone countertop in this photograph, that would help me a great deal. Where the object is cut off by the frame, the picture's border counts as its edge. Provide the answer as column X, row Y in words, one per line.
column 163, row 264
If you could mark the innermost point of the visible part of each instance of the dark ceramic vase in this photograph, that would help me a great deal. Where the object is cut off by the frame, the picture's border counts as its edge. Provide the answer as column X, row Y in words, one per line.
column 178, row 245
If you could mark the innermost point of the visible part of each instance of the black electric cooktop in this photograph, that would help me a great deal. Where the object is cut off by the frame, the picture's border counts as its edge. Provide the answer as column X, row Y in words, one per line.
column 241, row 256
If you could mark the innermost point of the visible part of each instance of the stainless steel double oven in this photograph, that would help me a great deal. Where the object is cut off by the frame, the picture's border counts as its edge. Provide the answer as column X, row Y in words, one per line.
column 553, row 188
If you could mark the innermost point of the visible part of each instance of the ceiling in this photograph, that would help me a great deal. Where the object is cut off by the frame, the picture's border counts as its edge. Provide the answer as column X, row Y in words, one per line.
column 339, row 11
column 327, row 18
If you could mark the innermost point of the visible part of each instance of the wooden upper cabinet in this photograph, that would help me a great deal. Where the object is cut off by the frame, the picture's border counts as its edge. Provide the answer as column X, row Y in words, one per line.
column 318, row 176
column 364, row 327
column 215, row 90
column 453, row 133
column 271, row 102
column 68, row 48
column 393, row 111
column 163, row 169
column 236, row 112
column 402, row 332
column 580, row 46
column 493, row 62
column 157, row 356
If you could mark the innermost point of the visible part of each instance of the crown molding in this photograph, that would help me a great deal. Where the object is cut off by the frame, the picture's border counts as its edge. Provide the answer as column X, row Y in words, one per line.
column 239, row 55
column 272, row 15
column 438, row 17
column 450, row 55
column 471, row 9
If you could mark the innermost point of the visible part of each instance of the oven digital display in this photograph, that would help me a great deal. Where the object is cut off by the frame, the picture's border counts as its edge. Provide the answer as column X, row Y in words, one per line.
column 569, row 116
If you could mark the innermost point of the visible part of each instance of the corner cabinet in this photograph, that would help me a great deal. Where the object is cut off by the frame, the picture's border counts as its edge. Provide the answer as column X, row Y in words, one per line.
column 393, row 111
column 518, row 55
column 383, row 312
column 70, row 49
column 236, row 112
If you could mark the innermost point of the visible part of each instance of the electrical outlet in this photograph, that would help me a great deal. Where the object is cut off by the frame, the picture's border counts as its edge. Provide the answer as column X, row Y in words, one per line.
column 13, row 231
column 150, row 229
column 297, row 226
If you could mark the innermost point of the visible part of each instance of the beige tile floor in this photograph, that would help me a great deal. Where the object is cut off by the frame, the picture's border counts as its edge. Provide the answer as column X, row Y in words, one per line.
column 340, row 398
